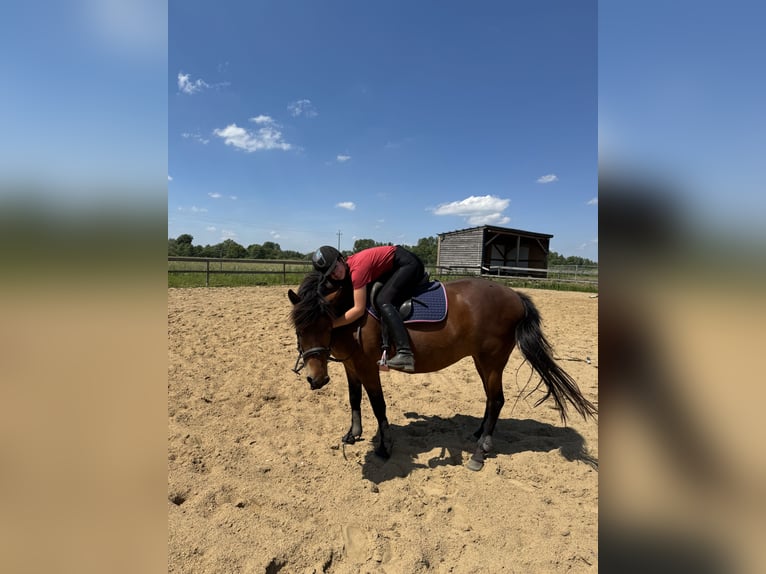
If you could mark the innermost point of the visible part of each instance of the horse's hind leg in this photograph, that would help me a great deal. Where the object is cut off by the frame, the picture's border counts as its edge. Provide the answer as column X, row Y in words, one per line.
column 492, row 377
column 480, row 430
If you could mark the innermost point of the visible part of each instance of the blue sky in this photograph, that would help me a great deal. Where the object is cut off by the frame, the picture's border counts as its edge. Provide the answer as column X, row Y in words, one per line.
column 682, row 99
column 83, row 107
column 291, row 121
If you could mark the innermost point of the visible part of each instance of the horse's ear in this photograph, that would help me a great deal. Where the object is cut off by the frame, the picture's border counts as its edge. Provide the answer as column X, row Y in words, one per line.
column 293, row 296
column 332, row 295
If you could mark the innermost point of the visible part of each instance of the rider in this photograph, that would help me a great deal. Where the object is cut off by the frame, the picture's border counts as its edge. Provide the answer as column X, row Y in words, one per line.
column 404, row 270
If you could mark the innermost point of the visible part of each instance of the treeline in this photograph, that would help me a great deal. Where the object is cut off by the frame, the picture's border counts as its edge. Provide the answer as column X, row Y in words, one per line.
column 557, row 259
column 183, row 246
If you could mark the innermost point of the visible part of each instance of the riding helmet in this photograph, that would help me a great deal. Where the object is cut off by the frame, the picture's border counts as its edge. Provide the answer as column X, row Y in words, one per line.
column 324, row 259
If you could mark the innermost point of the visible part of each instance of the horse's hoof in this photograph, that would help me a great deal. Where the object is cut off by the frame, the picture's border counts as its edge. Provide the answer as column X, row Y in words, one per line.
column 474, row 464
column 382, row 454
column 349, row 439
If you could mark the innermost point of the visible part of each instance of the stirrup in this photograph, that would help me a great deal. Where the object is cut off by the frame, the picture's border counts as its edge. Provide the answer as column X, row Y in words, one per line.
column 383, row 363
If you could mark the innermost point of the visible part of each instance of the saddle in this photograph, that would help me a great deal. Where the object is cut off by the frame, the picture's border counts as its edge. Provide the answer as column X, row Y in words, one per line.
column 428, row 302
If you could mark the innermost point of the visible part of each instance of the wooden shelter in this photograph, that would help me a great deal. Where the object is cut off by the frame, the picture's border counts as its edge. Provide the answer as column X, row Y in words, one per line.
column 495, row 251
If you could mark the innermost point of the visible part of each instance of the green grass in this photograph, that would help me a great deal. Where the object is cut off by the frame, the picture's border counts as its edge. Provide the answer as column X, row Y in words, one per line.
column 234, row 274
column 233, row 280
column 525, row 283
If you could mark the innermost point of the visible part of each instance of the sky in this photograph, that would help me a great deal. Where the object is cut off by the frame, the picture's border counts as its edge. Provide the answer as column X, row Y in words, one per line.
column 83, row 107
column 308, row 123
column 682, row 100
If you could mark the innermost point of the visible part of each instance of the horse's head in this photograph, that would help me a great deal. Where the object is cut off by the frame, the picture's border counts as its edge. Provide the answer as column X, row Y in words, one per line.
column 312, row 315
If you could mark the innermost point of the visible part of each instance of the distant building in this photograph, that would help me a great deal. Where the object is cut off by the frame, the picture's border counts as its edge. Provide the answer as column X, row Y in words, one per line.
column 495, row 251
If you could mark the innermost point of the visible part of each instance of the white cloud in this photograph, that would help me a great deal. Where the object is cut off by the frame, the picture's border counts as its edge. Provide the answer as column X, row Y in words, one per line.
column 214, row 195
column 227, row 234
column 302, row 108
column 343, row 158
column 265, row 138
column 268, row 120
column 350, row 205
column 233, row 197
column 593, row 201
column 189, row 87
column 170, row 178
column 550, row 178
column 195, row 136
column 478, row 210
column 210, row 228
column 274, row 234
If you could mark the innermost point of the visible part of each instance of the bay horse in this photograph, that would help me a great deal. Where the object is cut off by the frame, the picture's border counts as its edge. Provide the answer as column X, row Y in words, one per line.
column 485, row 320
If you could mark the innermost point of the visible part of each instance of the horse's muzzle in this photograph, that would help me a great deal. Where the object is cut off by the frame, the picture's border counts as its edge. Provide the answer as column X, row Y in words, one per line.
column 318, row 383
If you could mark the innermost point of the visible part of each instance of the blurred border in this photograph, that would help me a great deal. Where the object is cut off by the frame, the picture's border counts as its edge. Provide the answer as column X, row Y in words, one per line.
column 83, row 296
column 83, row 346
column 682, row 304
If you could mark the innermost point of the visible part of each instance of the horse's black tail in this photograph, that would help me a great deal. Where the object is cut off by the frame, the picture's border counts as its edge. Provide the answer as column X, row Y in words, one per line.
column 537, row 350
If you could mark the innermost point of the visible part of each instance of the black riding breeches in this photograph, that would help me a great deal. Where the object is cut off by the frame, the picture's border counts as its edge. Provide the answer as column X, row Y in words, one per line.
column 407, row 273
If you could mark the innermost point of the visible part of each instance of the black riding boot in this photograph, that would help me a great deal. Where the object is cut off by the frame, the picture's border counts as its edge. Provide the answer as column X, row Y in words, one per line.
column 403, row 360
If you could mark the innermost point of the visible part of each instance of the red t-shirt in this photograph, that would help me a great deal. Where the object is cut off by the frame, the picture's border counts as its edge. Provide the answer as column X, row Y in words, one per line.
column 369, row 264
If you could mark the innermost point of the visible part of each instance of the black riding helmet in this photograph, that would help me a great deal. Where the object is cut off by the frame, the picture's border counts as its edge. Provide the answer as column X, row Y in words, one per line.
column 324, row 259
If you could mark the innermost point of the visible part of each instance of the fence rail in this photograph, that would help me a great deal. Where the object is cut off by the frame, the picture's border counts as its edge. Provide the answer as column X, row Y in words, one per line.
column 283, row 267
column 291, row 271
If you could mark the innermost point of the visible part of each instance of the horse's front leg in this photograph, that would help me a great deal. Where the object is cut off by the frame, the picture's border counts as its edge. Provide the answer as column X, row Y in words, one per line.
column 355, row 400
column 378, row 403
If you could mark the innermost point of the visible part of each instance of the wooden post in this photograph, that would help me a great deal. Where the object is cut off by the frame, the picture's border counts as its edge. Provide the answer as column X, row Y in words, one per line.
column 207, row 273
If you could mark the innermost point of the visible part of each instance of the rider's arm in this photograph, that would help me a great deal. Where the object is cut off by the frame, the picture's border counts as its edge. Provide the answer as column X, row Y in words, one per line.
column 360, row 304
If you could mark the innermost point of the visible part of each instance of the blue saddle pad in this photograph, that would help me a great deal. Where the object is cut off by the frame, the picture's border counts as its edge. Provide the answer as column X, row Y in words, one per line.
column 429, row 304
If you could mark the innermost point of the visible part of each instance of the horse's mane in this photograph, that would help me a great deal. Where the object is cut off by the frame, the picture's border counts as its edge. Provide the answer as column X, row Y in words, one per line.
column 313, row 305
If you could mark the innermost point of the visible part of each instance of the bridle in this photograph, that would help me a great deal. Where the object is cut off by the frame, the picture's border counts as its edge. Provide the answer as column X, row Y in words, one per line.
column 300, row 362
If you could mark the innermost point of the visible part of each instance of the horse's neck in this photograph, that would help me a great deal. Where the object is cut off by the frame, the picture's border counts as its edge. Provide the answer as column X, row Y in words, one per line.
column 342, row 301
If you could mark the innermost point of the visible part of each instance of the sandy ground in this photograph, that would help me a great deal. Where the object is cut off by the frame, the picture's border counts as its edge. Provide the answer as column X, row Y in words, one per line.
column 258, row 480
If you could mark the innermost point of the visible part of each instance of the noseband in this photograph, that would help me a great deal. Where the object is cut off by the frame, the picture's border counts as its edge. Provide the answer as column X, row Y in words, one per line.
column 300, row 362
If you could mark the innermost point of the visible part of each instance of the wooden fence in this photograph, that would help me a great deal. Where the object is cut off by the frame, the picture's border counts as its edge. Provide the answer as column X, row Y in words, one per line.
column 213, row 266
column 292, row 271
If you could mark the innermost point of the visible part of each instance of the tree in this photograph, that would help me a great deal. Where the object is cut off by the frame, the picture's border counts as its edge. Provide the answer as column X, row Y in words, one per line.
column 555, row 258
column 426, row 249
column 183, row 245
column 210, row 251
column 291, row 255
column 254, row 251
column 558, row 259
column 361, row 244
column 230, row 249
column 271, row 250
